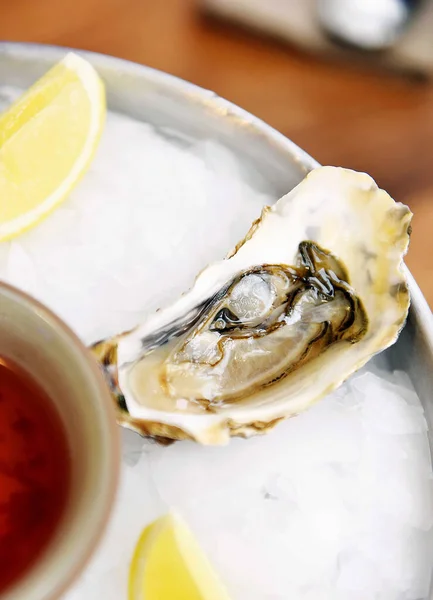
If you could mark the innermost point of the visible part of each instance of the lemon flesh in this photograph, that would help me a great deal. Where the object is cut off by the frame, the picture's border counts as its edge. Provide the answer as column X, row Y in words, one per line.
column 48, row 138
column 168, row 564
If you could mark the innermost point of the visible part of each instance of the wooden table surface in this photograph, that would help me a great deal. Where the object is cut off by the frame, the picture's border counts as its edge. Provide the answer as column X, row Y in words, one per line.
column 342, row 115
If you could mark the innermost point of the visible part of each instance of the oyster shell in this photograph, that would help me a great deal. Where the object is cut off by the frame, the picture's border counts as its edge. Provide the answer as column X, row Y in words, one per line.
column 316, row 288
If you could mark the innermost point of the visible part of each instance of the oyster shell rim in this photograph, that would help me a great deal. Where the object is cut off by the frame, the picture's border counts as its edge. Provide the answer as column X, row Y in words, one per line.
column 218, row 428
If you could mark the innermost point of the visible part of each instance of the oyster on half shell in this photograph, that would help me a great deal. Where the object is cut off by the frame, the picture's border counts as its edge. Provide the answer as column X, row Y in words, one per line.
column 316, row 288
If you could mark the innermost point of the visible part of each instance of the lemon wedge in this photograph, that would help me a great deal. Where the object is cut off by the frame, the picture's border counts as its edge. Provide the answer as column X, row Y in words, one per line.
column 47, row 140
column 168, row 564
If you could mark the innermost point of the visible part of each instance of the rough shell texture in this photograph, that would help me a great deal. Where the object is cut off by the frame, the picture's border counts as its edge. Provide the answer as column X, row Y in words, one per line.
column 343, row 212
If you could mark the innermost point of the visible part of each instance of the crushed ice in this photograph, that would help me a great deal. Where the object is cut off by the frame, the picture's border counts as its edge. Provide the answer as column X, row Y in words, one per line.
column 335, row 504
column 148, row 216
column 331, row 505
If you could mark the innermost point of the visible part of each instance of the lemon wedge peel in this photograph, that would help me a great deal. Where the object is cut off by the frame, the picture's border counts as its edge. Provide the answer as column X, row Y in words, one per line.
column 168, row 564
column 72, row 69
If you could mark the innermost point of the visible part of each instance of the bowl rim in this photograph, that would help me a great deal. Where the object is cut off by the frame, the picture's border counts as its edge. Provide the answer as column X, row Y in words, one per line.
column 196, row 94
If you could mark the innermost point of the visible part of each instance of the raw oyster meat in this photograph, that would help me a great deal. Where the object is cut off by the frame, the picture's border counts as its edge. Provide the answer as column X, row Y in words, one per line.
column 316, row 288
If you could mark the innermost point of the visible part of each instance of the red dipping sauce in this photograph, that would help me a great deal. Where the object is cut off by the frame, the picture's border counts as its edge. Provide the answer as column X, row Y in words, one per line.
column 34, row 472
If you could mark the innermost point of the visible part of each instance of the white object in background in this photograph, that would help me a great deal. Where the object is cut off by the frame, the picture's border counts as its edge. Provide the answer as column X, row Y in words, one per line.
column 297, row 22
column 368, row 24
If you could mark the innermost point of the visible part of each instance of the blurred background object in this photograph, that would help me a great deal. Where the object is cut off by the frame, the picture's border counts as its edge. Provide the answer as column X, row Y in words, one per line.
column 329, row 98
column 367, row 24
column 344, row 29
